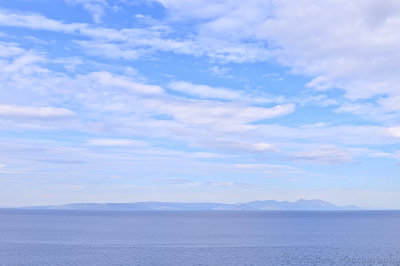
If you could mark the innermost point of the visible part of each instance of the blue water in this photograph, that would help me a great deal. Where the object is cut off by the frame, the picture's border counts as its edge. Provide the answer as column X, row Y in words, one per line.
column 54, row 237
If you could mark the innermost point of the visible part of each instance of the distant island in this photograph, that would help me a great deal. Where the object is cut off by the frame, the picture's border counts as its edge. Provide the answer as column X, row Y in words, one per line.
column 266, row 205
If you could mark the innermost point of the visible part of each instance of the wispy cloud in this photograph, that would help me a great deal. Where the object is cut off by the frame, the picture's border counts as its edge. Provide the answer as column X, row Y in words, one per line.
column 227, row 184
column 174, row 181
column 324, row 155
column 131, row 43
column 271, row 169
column 116, row 142
column 394, row 131
column 28, row 112
column 204, row 91
column 95, row 7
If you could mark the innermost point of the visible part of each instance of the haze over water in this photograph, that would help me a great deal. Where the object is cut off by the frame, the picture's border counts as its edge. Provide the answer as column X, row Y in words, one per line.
column 60, row 237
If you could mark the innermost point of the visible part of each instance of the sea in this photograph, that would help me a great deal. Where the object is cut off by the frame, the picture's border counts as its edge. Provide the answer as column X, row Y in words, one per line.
column 72, row 237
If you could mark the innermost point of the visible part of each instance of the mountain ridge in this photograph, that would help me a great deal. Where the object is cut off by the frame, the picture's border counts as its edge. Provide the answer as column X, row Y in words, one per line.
column 261, row 205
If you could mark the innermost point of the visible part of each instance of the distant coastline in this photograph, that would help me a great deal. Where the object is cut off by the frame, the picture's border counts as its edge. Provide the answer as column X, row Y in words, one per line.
column 271, row 205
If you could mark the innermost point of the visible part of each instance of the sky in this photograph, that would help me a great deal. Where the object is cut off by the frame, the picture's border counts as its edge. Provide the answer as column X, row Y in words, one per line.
column 199, row 101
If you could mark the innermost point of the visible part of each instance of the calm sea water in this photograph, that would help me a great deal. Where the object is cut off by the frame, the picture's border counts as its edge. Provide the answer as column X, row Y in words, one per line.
column 53, row 237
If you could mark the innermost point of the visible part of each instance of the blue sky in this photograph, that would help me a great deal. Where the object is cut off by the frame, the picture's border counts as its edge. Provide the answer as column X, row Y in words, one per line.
column 224, row 101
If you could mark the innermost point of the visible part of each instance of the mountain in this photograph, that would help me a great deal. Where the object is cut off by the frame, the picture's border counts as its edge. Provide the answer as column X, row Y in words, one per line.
column 298, row 205
column 253, row 205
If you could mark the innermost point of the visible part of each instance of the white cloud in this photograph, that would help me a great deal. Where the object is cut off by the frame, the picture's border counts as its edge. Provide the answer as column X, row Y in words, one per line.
column 322, row 133
column 28, row 112
column 355, row 45
column 9, row 49
column 221, row 71
column 25, row 63
column 130, row 43
column 111, row 50
column 367, row 110
column 121, row 102
column 319, row 100
column 115, row 102
column 39, row 22
column 228, row 114
column 271, row 169
column 116, row 142
column 327, row 154
column 394, row 155
column 111, row 103
column 205, row 155
column 69, row 63
column 110, row 80
column 224, row 19
column 390, row 103
column 227, row 184
column 174, row 181
column 236, row 146
column 95, row 7
column 262, row 146
column 207, row 92
column 351, row 46
column 204, row 91
column 395, row 132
